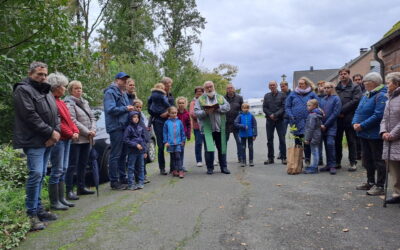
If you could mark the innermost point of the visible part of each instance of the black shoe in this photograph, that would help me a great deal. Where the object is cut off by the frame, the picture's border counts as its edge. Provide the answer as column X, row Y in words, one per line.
column 251, row 164
column 279, row 157
column 44, row 215
column 325, row 169
column 269, row 161
column 393, row 200
column 85, row 191
column 225, row 171
column 307, row 162
column 117, row 186
column 210, row 171
column 320, row 163
column 162, row 172
column 72, row 196
column 36, row 224
column 284, row 161
column 124, row 181
column 146, row 180
column 338, row 166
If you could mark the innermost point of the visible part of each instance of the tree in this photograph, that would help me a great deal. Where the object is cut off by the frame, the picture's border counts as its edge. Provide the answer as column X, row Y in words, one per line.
column 227, row 71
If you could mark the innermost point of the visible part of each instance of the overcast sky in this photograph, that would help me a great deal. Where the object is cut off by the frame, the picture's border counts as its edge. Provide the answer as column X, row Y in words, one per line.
column 268, row 38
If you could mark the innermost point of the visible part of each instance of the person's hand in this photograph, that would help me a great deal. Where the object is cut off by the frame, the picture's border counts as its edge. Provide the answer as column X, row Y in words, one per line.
column 164, row 115
column 130, row 108
column 55, row 136
column 75, row 136
column 92, row 133
column 50, row 142
column 272, row 117
column 167, row 144
column 386, row 136
column 323, row 128
column 145, row 156
column 139, row 147
column 357, row 127
column 254, row 138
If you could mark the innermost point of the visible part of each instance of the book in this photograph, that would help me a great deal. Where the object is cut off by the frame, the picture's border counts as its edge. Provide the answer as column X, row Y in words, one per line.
column 211, row 106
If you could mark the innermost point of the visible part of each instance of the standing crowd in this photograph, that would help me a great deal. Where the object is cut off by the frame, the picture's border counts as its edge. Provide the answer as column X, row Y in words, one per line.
column 63, row 131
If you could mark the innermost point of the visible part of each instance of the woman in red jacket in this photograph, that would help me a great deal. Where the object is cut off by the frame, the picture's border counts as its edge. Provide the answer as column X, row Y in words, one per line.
column 60, row 152
column 184, row 116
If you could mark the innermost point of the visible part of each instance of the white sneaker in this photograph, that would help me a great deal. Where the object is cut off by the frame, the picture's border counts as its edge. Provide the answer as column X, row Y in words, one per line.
column 215, row 163
column 199, row 164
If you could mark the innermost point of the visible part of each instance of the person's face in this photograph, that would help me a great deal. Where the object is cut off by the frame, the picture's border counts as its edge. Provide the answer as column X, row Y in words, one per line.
column 302, row 84
column 167, row 86
column 369, row 86
column 138, row 107
column 344, row 76
column 358, row 80
column 391, row 86
column 60, row 91
column 321, row 88
column 76, row 91
column 273, row 87
column 328, row 90
column 198, row 93
column 121, row 82
column 284, row 87
column 230, row 89
column 130, row 86
column 135, row 119
column 173, row 113
column 209, row 88
column 310, row 106
column 181, row 104
column 39, row 75
column 245, row 109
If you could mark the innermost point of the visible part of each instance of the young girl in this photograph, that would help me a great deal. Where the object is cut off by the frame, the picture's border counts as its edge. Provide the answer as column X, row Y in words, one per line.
column 247, row 125
column 184, row 116
column 313, row 134
column 134, row 137
column 174, row 140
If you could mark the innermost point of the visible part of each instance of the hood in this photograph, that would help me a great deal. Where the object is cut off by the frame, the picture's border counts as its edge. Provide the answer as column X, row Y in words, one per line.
column 381, row 88
column 131, row 114
column 43, row 88
column 71, row 98
column 112, row 86
column 159, row 90
column 318, row 112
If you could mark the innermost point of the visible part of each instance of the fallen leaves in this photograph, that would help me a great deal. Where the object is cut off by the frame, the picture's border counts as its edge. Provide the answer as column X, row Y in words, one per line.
column 279, row 185
column 345, row 230
column 243, row 244
column 308, row 214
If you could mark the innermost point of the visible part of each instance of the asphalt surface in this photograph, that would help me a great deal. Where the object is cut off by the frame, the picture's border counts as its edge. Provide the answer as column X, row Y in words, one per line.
column 257, row 207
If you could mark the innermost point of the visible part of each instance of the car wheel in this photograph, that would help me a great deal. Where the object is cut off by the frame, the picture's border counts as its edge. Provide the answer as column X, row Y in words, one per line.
column 152, row 151
column 104, row 165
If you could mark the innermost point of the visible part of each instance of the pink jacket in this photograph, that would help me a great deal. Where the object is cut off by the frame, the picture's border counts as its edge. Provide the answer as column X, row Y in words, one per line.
column 193, row 115
column 187, row 126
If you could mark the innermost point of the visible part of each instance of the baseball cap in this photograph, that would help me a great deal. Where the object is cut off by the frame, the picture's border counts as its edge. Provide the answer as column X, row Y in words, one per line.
column 121, row 75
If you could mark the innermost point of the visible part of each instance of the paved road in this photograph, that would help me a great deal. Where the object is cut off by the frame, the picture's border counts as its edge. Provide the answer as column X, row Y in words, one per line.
column 253, row 208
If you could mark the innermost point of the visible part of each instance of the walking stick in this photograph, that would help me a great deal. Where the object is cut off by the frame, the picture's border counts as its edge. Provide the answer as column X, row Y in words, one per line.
column 387, row 174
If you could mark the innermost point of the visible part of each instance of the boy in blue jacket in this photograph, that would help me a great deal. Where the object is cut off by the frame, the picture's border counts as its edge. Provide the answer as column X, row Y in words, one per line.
column 174, row 140
column 247, row 125
column 135, row 139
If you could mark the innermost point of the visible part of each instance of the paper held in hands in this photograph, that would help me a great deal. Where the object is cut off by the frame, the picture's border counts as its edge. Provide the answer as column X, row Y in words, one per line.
column 211, row 106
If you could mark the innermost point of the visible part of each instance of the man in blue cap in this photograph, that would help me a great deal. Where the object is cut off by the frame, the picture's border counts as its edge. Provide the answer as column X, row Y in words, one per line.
column 116, row 110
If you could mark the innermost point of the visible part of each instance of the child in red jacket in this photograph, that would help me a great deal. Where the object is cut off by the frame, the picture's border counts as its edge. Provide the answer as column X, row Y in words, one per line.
column 184, row 116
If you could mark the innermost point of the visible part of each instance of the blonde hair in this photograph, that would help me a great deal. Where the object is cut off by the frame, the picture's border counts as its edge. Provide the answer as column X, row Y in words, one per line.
column 171, row 108
column 332, row 85
column 308, row 82
column 313, row 102
column 159, row 86
column 72, row 84
column 137, row 101
column 245, row 105
column 181, row 98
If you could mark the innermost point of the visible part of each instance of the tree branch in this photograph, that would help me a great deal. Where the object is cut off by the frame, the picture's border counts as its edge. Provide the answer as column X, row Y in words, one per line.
column 99, row 17
column 25, row 40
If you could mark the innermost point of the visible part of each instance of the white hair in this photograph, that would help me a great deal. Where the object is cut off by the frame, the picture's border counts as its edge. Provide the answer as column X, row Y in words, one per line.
column 56, row 80
column 35, row 65
column 373, row 77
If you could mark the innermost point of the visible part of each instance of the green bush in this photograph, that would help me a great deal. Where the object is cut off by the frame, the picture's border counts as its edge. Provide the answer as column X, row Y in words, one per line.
column 13, row 170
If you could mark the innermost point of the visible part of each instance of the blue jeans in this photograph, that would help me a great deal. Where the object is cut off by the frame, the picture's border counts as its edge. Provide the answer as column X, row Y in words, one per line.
column 249, row 141
column 176, row 160
column 210, row 154
column 59, row 158
column 78, row 161
column 37, row 159
column 117, row 161
column 135, row 165
column 238, row 143
column 198, row 144
column 330, row 151
column 279, row 125
column 315, row 155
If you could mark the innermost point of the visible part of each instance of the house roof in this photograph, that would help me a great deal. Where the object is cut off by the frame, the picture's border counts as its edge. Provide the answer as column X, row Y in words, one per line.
column 349, row 64
column 379, row 45
column 313, row 75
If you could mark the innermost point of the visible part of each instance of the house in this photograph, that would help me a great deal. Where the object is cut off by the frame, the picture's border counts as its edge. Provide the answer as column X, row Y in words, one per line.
column 313, row 74
column 256, row 105
column 387, row 51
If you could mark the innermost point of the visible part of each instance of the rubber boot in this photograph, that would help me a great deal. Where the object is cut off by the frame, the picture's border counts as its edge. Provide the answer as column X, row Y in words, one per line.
column 61, row 195
column 53, row 196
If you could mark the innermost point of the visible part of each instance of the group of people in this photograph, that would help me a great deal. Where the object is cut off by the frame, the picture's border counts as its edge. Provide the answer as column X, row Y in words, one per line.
column 63, row 131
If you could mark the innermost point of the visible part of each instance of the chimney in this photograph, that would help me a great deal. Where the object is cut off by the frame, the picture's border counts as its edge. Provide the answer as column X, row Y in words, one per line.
column 363, row 50
column 311, row 68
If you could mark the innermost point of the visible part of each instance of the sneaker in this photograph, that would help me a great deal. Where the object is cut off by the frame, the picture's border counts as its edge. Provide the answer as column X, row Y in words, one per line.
column 243, row 164
column 146, row 180
column 338, row 166
column 36, row 224
column 310, row 170
column 139, row 186
column 307, row 162
column 225, row 171
column 269, row 161
column 251, row 164
column 181, row 174
column 325, row 169
column 279, row 157
column 364, row 186
column 117, row 185
column 162, row 172
column 175, row 173
column 332, row 171
column 284, row 161
column 130, row 187
column 199, row 164
column 184, row 170
column 376, row 190
column 210, row 171
column 352, row 168
column 44, row 215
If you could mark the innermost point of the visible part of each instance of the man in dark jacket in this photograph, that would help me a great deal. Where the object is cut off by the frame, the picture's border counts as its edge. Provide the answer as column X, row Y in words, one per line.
column 350, row 95
column 36, row 130
column 273, row 107
column 235, row 101
column 116, row 110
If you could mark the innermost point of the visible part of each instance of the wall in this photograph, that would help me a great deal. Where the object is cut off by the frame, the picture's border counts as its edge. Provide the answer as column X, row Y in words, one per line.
column 391, row 56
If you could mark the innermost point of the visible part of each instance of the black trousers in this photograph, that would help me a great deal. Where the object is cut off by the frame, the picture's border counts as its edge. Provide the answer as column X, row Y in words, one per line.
column 372, row 160
column 345, row 128
column 210, row 155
